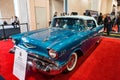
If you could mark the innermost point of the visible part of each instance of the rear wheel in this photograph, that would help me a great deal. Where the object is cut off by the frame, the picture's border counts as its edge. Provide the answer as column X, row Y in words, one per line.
column 72, row 62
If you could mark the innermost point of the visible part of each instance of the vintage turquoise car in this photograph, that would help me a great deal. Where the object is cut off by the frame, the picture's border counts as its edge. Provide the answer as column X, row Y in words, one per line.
column 57, row 48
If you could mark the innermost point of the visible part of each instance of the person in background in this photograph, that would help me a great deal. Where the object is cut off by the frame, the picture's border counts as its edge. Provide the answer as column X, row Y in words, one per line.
column 118, row 22
column 89, row 14
column 12, row 21
column 15, row 21
column 112, row 21
column 84, row 14
column 64, row 13
column 100, row 19
column 55, row 14
column 5, row 22
column 107, row 24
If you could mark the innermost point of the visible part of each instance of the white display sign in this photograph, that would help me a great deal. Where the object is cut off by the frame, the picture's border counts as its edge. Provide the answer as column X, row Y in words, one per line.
column 20, row 62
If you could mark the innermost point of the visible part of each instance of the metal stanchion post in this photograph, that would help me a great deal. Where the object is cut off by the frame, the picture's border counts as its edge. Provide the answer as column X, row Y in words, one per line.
column 27, row 27
column 4, row 32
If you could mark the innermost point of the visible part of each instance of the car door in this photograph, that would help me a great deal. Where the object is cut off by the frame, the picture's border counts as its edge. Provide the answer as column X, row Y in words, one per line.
column 91, row 32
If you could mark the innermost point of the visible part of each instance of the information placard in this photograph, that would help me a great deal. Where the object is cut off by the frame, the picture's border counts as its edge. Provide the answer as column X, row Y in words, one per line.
column 20, row 62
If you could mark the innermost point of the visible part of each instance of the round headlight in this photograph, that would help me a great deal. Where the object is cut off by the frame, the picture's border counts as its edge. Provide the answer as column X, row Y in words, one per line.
column 53, row 54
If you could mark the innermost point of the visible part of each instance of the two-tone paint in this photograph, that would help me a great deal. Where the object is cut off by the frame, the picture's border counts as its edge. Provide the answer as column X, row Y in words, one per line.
column 64, row 41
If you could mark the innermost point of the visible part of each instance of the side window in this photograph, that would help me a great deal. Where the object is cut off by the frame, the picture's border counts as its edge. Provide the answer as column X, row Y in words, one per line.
column 90, row 24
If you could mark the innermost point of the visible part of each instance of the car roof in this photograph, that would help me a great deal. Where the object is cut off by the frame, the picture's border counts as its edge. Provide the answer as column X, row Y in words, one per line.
column 77, row 16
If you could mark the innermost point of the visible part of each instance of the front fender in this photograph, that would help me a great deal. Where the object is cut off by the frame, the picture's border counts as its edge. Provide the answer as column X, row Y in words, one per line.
column 63, row 60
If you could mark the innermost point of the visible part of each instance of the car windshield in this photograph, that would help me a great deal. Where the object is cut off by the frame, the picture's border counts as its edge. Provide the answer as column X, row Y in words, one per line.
column 68, row 23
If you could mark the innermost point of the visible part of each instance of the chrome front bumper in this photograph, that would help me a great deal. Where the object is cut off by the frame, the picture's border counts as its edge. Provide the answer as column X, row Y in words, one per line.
column 44, row 65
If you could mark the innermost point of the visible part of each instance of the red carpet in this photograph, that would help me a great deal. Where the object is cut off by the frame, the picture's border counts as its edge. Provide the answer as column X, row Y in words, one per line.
column 6, row 60
column 101, row 64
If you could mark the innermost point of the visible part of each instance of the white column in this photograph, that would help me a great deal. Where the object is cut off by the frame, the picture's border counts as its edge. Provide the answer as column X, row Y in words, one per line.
column 21, row 11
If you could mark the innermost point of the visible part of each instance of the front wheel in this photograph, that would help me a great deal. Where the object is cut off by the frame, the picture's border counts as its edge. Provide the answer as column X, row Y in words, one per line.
column 72, row 62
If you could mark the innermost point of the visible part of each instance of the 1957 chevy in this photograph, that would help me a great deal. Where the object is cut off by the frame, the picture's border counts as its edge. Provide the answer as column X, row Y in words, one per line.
column 57, row 48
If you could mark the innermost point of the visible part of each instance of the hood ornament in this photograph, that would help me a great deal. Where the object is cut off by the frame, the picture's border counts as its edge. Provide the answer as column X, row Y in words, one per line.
column 46, row 39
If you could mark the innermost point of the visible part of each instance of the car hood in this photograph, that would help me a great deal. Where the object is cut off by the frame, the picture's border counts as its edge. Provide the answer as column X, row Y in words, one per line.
column 51, row 34
column 46, row 38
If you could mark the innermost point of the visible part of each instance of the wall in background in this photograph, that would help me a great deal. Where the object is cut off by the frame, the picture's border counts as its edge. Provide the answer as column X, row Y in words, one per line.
column 32, row 4
column 78, row 6
column 7, row 10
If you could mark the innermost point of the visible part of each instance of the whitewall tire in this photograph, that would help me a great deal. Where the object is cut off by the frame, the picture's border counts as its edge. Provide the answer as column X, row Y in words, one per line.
column 72, row 62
